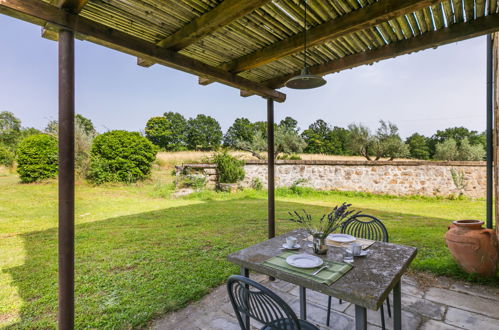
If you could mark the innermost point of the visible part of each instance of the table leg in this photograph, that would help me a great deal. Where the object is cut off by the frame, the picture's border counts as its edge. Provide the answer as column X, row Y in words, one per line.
column 303, row 303
column 246, row 318
column 397, row 307
column 360, row 318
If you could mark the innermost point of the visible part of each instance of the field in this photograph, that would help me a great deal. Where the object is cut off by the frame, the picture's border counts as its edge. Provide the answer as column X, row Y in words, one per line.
column 169, row 159
column 140, row 253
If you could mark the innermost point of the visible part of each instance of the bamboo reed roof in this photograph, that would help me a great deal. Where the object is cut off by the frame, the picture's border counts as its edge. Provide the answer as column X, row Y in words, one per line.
column 256, row 45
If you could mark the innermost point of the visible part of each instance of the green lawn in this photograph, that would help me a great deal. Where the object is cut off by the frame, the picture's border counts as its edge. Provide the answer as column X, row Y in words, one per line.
column 140, row 255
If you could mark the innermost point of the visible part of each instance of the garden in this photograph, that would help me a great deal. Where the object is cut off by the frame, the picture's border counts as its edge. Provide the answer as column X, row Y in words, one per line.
column 142, row 251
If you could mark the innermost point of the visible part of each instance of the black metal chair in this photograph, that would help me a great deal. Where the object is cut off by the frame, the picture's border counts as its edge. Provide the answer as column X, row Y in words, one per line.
column 252, row 300
column 367, row 227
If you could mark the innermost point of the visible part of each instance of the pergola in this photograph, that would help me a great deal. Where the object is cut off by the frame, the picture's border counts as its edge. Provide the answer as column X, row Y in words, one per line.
column 252, row 45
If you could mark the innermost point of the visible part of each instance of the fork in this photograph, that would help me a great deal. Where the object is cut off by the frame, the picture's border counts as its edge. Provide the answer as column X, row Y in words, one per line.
column 320, row 270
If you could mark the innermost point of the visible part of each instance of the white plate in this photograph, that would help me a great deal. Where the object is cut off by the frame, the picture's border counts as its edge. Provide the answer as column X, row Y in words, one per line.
column 362, row 253
column 304, row 261
column 296, row 247
column 341, row 238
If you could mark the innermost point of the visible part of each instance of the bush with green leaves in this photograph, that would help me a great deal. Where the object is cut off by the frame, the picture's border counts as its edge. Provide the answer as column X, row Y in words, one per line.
column 121, row 156
column 195, row 181
column 230, row 169
column 6, row 156
column 256, row 184
column 37, row 158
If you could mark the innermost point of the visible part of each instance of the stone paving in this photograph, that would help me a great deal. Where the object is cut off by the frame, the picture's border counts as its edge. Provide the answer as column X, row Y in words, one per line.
column 441, row 304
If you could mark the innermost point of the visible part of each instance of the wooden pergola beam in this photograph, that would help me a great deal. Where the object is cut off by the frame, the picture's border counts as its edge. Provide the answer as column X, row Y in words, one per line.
column 453, row 33
column 220, row 16
column 37, row 11
column 357, row 20
column 73, row 6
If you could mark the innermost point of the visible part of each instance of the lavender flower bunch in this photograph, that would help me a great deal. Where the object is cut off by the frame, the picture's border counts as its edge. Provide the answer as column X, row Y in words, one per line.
column 327, row 224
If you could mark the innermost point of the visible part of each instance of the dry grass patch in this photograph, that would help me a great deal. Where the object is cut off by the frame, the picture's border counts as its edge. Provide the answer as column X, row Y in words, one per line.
column 170, row 159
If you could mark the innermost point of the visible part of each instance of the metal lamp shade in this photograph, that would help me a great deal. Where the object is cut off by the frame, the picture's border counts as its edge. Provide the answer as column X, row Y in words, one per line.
column 305, row 81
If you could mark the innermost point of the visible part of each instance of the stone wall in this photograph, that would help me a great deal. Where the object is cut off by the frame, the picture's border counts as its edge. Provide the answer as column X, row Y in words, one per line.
column 393, row 178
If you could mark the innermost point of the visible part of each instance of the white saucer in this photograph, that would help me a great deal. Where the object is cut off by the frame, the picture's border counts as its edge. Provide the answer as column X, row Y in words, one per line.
column 296, row 247
column 362, row 253
column 303, row 260
column 341, row 238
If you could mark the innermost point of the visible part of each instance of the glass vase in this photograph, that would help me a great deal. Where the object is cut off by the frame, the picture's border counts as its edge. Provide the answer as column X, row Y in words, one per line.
column 319, row 245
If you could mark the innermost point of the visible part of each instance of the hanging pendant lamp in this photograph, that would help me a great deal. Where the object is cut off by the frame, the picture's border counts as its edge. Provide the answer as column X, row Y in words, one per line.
column 305, row 80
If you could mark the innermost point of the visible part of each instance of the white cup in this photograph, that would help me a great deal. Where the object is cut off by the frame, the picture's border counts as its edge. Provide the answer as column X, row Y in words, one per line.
column 356, row 249
column 291, row 241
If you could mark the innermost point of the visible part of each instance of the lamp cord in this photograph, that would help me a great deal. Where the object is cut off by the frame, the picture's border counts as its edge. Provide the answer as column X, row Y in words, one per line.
column 305, row 35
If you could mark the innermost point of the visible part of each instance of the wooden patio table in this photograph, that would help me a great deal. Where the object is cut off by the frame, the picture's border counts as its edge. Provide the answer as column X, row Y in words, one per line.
column 366, row 285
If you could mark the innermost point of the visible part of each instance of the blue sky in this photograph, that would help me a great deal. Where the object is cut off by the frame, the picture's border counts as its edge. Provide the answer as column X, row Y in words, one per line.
column 421, row 92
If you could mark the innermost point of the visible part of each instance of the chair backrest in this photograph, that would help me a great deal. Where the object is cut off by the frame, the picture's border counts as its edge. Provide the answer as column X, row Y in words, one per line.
column 252, row 299
column 365, row 226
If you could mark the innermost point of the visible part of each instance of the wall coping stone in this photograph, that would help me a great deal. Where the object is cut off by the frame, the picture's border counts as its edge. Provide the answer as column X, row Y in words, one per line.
column 351, row 163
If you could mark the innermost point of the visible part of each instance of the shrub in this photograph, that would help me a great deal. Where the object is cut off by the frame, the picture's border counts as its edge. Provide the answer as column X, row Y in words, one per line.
column 230, row 169
column 6, row 157
column 196, row 181
column 37, row 158
column 121, row 156
column 256, row 184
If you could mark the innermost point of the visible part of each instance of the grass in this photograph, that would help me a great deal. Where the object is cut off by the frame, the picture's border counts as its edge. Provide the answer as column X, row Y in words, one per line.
column 140, row 254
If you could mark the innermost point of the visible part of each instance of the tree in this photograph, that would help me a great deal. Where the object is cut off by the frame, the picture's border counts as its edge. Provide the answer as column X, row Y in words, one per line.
column 457, row 134
column 360, row 140
column 418, row 146
column 158, row 131
column 446, row 150
column 289, row 124
column 86, row 125
column 241, row 130
column 285, row 141
column 338, row 141
column 387, row 142
column 470, row 152
column 203, row 133
column 178, row 139
column 28, row 131
column 316, row 137
column 84, row 136
column 10, row 130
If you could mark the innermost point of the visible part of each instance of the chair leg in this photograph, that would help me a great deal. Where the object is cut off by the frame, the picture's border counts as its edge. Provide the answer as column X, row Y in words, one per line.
column 382, row 312
column 328, row 319
column 388, row 305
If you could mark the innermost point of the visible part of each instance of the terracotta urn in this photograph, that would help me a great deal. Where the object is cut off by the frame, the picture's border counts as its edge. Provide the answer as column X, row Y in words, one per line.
column 474, row 248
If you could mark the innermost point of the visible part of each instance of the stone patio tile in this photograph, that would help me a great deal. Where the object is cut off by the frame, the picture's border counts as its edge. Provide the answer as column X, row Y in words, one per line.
column 279, row 285
column 220, row 323
column 477, row 290
column 423, row 307
column 320, row 299
column 437, row 325
column 408, row 289
column 463, row 301
column 317, row 315
column 469, row 320
column 409, row 319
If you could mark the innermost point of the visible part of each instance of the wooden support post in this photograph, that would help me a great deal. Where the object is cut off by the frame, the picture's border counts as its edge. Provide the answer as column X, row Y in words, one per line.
column 489, row 131
column 66, row 179
column 270, row 162
column 495, row 130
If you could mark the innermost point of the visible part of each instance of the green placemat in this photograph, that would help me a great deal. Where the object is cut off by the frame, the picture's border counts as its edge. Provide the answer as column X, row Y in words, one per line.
column 327, row 276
